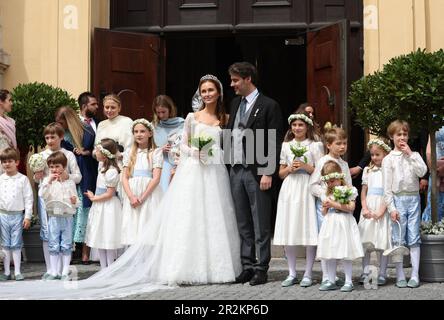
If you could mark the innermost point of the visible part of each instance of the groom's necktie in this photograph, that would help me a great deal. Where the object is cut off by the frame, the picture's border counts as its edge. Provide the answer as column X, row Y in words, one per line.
column 243, row 108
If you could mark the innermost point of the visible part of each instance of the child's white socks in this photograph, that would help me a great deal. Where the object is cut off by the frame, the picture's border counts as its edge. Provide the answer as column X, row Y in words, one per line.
column 111, row 256
column 310, row 253
column 348, row 270
column 66, row 262
column 290, row 253
column 366, row 262
column 47, row 256
column 399, row 271
column 324, row 267
column 331, row 268
column 383, row 265
column 17, row 257
column 415, row 253
column 7, row 262
column 54, row 262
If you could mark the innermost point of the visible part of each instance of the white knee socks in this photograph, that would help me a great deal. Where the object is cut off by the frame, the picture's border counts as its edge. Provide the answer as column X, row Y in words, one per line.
column 383, row 265
column 17, row 257
column 290, row 253
column 7, row 262
column 366, row 262
column 47, row 256
column 399, row 271
column 415, row 253
column 60, row 266
column 331, row 268
column 107, row 257
column 111, row 255
column 348, row 270
column 324, row 267
column 66, row 262
column 102, row 257
column 310, row 253
column 54, row 262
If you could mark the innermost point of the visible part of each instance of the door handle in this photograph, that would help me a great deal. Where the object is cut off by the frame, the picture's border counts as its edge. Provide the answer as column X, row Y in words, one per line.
column 330, row 97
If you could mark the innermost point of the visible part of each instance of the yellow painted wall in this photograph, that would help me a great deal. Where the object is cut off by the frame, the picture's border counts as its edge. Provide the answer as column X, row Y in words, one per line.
column 50, row 41
column 395, row 27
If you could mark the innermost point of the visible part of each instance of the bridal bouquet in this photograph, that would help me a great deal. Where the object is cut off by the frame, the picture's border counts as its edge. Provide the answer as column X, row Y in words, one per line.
column 203, row 142
column 36, row 162
column 298, row 151
column 342, row 194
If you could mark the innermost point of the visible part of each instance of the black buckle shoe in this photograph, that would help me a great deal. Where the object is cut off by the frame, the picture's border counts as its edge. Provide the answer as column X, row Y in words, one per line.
column 245, row 276
column 260, row 277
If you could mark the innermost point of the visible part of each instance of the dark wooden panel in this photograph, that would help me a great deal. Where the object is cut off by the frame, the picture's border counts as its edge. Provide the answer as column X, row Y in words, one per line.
column 324, row 73
column 198, row 12
column 136, row 13
column 271, row 12
column 127, row 64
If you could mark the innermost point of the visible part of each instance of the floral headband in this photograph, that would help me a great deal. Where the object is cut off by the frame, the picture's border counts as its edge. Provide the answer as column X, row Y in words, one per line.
column 334, row 175
column 379, row 143
column 145, row 123
column 106, row 152
column 302, row 117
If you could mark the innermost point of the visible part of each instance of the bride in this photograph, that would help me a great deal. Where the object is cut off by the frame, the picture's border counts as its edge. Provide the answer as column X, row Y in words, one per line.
column 191, row 239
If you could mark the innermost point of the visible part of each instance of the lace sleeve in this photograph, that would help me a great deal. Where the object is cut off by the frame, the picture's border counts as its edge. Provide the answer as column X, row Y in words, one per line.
column 185, row 148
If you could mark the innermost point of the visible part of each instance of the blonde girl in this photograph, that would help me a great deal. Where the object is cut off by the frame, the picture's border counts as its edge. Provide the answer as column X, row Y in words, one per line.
column 141, row 176
column 339, row 237
column 374, row 223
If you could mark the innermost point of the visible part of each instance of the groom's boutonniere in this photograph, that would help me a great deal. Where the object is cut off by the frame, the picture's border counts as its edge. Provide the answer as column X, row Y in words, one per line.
column 257, row 110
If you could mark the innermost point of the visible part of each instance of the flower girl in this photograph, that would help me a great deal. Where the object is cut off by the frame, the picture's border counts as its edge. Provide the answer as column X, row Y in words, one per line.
column 141, row 177
column 105, row 217
column 339, row 235
column 296, row 223
column 374, row 223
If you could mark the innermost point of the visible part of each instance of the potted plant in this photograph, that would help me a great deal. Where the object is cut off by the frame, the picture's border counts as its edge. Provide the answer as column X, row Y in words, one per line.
column 32, row 245
column 34, row 108
column 410, row 87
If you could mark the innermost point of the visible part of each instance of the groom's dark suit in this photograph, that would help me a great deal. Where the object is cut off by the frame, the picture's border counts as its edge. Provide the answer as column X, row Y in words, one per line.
column 253, row 206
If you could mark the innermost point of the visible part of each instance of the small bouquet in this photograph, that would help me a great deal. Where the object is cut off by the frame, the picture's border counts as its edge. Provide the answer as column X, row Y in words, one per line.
column 37, row 162
column 203, row 142
column 299, row 151
column 342, row 194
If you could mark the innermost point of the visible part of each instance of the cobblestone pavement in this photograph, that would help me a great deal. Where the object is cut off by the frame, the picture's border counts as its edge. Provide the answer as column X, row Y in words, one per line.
column 273, row 290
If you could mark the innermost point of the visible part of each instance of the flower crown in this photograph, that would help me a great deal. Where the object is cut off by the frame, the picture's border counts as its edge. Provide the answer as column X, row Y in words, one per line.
column 106, row 152
column 334, row 175
column 302, row 117
column 145, row 123
column 379, row 143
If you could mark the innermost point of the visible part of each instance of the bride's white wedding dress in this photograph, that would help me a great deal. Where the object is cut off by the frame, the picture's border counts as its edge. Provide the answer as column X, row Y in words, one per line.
column 191, row 239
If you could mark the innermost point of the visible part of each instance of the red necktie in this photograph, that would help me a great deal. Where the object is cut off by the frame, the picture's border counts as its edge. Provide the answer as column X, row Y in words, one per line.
column 88, row 121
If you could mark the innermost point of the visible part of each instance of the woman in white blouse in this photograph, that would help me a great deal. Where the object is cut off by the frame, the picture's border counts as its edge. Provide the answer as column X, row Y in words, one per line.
column 116, row 127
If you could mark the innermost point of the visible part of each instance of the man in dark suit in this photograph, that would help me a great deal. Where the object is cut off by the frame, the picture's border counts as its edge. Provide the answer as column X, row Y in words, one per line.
column 88, row 109
column 256, row 132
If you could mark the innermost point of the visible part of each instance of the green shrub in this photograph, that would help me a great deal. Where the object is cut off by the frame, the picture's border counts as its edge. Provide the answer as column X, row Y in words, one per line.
column 34, row 108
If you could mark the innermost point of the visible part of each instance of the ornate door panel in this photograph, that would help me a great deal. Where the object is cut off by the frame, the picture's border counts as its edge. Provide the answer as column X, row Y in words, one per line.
column 129, row 65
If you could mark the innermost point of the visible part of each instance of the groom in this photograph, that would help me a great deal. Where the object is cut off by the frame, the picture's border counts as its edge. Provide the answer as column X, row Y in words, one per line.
column 256, row 135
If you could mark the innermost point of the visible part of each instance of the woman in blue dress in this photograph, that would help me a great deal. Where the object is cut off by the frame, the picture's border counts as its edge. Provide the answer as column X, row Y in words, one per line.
column 79, row 139
column 426, row 216
column 167, row 134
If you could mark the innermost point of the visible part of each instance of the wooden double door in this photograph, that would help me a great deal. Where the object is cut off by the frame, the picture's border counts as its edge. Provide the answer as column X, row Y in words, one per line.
column 133, row 65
